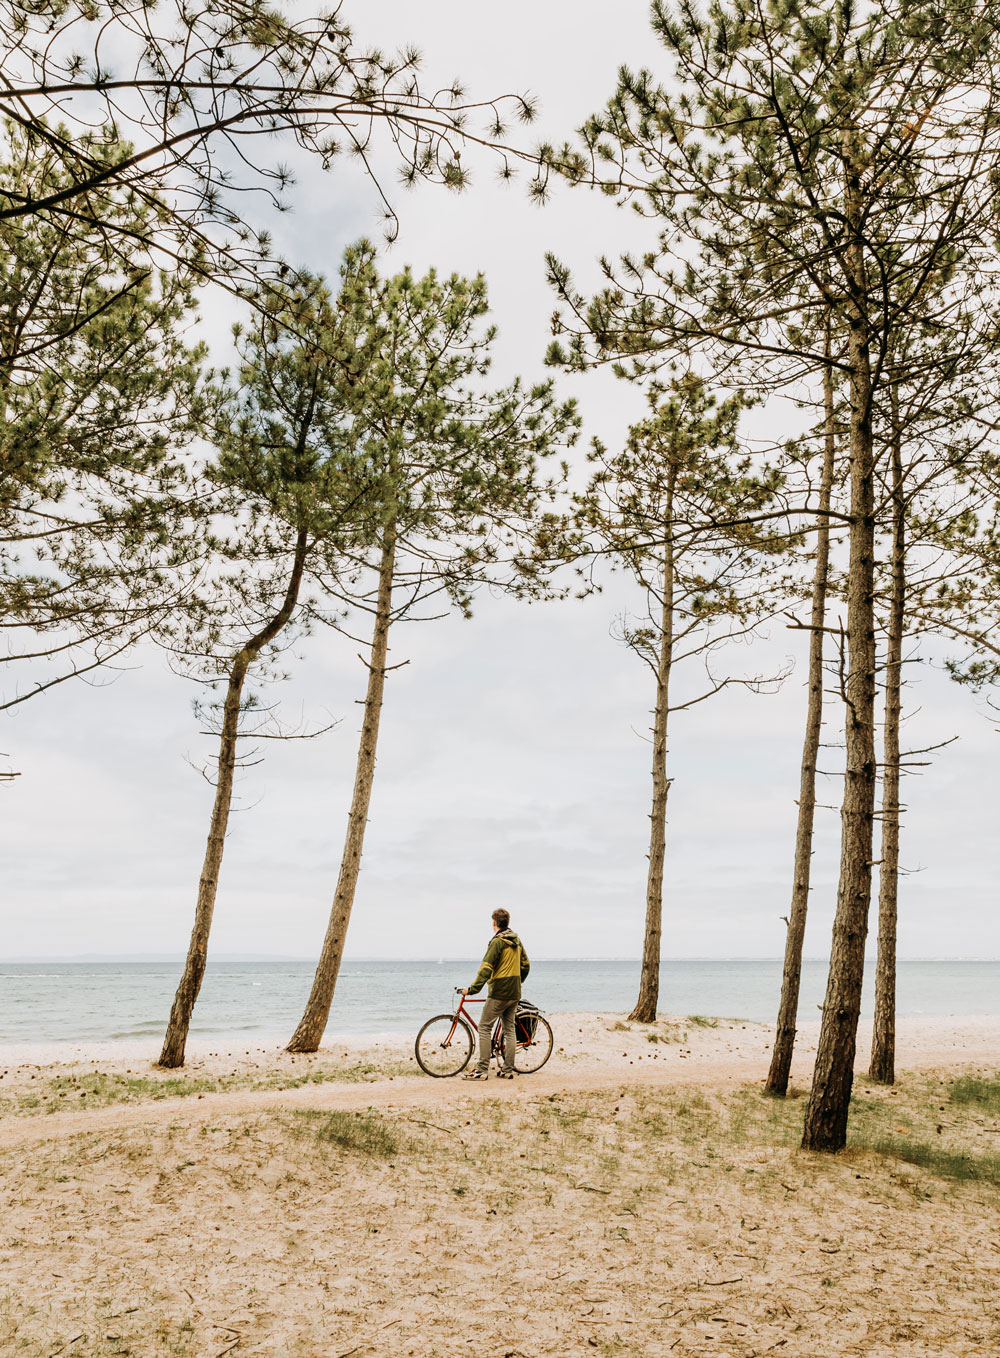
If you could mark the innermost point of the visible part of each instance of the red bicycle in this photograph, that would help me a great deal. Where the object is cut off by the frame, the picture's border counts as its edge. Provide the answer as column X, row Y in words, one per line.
column 446, row 1042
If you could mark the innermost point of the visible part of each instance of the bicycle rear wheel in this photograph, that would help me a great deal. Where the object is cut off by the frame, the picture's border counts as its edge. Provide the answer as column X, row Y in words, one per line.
column 531, row 1056
column 444, row 1045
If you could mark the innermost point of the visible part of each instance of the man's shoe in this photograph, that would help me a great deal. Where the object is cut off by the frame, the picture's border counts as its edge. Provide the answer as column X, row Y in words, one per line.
column 506, row 1074
column 474, row 1075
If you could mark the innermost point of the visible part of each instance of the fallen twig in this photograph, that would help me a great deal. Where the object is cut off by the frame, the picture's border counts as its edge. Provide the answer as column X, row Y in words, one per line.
column 68, row 1344
column 448, row 1131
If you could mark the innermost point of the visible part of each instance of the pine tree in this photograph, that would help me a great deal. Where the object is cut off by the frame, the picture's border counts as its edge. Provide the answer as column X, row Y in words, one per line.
column 292, row 487
column 937, row 485
column 791, row 974
column 462, row 503
column 655, row 508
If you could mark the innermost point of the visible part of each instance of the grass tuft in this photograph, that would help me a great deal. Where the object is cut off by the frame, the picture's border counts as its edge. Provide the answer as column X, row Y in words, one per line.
column 983, row 1091
column 702, row 1021
column 365, row 1133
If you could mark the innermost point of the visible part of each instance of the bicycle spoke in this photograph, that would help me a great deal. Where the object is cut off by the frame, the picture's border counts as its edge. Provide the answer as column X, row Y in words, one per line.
column 531, row 1056
column 443, row 1046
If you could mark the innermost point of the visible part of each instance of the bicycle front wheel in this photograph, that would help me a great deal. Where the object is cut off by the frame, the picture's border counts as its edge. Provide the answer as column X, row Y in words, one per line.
column 531, row 1056
column 444, row 1045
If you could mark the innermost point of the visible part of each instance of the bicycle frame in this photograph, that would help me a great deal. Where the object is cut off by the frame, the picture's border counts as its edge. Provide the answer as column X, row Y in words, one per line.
column 462, row 1013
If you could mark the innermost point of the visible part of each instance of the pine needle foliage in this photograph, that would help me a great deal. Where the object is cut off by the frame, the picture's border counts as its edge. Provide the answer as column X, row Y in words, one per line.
column 98, row 398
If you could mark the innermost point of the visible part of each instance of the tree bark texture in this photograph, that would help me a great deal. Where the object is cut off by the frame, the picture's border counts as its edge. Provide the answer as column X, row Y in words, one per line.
column 649, row 977
column 883, row 1060
column 175, row 1039
column 784, row 1039
column 833, row 1075
column 309, row 1033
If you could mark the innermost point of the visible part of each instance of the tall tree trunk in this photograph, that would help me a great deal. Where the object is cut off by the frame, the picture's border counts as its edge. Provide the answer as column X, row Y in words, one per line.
column 830, row 1096
column 175, row 1039
column 883, row 1062
column 649, row 978
column 309, row 1033
column 784, row 1038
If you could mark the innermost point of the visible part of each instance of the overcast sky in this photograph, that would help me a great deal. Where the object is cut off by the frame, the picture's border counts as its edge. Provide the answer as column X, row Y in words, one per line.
column 512, row 766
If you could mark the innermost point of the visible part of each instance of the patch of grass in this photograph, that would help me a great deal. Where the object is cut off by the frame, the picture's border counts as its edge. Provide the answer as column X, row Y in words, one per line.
column 947, row 1164
column 364, row 1133
column 698, row 1101
column 983, row 1091
column 898, row 1127
column 99, row 1089
column 659, row 1031
column 102, row 1089
column 703, row 1021
column 666, row 1032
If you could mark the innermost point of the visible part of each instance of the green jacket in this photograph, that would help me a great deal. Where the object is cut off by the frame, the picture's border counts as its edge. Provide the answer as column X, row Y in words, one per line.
column 505, row 966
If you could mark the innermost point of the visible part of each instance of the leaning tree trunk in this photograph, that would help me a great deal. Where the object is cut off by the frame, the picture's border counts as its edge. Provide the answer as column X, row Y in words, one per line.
column 784, row 1038
column 825, row 1126
column 309, row 1033
column 175, row 1040
column 883, row 1062
column 649, row 979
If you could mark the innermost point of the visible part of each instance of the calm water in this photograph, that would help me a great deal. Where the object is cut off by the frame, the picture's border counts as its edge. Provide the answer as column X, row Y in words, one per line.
column 102, row 1001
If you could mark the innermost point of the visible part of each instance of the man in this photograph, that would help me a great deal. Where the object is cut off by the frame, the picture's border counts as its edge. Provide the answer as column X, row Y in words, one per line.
column 505, row 966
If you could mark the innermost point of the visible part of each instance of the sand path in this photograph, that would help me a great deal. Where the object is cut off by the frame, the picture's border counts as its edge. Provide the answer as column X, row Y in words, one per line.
column 414, row 1092
column 595, row 1055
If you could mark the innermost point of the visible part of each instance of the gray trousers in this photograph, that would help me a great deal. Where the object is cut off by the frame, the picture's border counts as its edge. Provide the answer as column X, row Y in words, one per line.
column 492, row 1010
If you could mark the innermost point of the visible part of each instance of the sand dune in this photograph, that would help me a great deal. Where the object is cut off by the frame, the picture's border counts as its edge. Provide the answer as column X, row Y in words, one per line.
column 633, row 1197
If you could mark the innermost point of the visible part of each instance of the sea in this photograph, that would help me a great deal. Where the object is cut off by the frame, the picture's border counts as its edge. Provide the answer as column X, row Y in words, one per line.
column 261, row 1001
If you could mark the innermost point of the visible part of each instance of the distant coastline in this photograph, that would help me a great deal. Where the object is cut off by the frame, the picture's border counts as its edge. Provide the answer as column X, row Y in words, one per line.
column 168, row 959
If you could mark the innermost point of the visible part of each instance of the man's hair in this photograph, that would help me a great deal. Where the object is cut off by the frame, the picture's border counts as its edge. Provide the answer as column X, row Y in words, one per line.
column 501, row 918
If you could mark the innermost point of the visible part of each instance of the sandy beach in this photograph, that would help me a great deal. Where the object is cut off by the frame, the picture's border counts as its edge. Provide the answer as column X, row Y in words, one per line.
column 639, row 1195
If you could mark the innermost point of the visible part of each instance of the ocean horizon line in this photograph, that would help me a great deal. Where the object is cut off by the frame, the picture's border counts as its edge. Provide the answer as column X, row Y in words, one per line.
column 172, row 959
column 84, row 998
